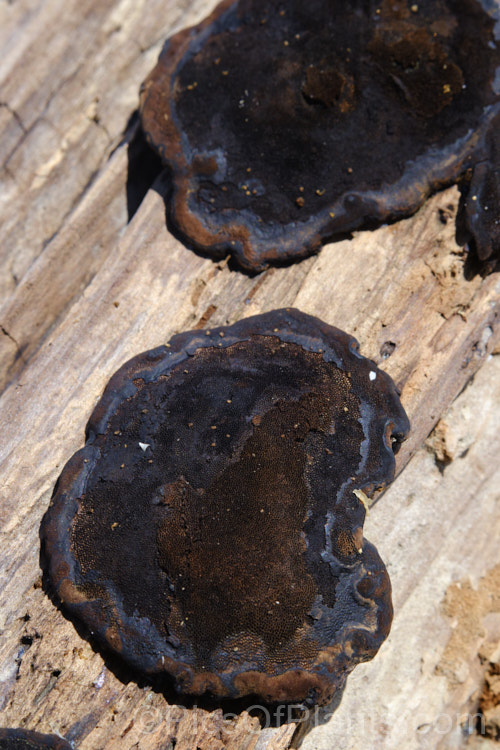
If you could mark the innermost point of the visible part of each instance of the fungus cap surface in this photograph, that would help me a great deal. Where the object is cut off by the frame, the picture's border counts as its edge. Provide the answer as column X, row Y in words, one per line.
column 210, row 526
column 23, row 739
column 285, row 124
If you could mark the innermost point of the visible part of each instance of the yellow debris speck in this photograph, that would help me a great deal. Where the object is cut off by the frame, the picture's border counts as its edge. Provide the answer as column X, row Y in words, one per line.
column 363, row 499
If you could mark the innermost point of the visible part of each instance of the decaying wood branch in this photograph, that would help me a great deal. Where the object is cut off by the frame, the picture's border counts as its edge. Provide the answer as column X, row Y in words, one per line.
column 83, row 291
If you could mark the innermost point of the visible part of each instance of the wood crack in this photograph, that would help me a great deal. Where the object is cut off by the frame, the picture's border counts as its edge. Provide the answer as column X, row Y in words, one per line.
column 14, row 114
column 9, row 336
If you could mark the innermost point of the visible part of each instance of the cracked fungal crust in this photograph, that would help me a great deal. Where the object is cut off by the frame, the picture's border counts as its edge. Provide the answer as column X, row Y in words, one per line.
column 23, row 739
column 209, row 527
column 285, row 124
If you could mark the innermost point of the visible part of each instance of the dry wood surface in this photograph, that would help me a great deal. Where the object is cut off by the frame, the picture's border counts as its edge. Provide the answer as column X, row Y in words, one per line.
column 82, row 290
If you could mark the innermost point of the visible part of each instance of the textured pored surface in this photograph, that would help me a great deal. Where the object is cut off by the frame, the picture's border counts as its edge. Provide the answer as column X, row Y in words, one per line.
column 23, row 739
column 285, row 124
column 209, row 527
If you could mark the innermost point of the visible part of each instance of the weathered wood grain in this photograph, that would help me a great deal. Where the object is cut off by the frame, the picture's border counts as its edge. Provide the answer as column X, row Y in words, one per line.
column 64, row 269
column 69, row 79
column 84, row 291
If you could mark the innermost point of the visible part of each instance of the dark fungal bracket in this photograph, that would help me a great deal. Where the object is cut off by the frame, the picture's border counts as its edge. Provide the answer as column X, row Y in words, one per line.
column 482, row 201
column 211, row 527
column 285, row 125
column 23, row 739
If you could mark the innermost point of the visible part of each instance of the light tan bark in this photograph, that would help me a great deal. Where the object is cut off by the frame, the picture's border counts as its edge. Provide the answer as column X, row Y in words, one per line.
column 83, row 291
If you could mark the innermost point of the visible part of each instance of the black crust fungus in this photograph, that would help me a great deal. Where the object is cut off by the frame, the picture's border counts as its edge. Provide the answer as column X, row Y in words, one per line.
column 209, row 528
column 286, row 124
column 23, row 739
